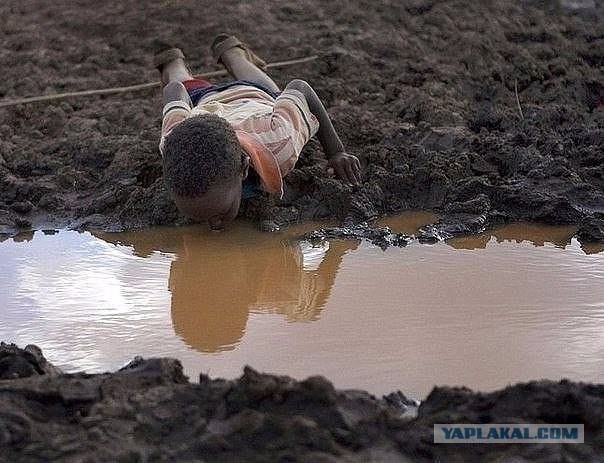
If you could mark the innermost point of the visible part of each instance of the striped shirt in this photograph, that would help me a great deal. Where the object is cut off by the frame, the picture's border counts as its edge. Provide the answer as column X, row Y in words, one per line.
column 281, row 125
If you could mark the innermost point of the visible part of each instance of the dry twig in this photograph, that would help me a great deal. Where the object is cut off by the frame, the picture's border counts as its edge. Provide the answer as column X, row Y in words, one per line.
column 138, row 87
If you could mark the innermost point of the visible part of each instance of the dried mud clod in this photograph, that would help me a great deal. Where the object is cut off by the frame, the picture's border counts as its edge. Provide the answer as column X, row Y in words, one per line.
column 379, row 236
column 149, row 410
column 23, row 363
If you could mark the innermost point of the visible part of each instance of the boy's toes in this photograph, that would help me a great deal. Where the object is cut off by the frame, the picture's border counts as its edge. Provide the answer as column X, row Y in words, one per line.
column 165, row 56
column 225, row 42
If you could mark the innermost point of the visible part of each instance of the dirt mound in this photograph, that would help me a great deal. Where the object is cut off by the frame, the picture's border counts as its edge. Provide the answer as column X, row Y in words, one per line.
column 148, row 411
column 488, row 112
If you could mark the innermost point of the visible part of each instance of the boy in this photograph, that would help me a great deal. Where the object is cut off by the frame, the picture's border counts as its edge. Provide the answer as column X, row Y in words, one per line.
column 212, row 134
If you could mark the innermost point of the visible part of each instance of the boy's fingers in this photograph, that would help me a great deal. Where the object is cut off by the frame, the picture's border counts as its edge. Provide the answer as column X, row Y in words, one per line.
column 330, row 171
column 357, row 170
column 341, row 172
column 357, row 165
column 356, row 178
column 350, row 174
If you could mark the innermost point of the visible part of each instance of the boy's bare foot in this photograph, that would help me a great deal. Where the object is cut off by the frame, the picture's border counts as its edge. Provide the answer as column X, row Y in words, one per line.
column 241, row 62
column 170, row 62
column 224, row 43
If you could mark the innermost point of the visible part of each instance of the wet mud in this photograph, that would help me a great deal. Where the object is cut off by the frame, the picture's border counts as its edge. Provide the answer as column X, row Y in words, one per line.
column 486, row 112
column 149, row 411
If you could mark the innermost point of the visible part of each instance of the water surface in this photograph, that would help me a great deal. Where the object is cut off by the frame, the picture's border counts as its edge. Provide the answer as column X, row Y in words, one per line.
column 519, row 303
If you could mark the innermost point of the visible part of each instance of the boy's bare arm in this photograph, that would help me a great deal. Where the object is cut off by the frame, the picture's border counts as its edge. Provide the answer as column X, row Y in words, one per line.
column 346, row 166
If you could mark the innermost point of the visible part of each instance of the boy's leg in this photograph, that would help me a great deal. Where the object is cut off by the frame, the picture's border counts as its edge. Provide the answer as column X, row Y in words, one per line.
column 236, row 62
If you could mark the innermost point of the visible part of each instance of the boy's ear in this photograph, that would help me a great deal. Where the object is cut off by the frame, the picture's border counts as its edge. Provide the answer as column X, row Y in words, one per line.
column 245, row 170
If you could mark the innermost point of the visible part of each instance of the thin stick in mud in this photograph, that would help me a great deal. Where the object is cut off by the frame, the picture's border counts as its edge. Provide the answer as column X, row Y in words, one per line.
column 137, row 87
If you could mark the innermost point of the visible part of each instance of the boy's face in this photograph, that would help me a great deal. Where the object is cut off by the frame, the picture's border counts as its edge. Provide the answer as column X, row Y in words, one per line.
column 217, row 206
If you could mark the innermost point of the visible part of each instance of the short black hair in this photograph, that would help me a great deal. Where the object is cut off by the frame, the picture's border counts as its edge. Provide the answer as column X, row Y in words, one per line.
column 198, row 152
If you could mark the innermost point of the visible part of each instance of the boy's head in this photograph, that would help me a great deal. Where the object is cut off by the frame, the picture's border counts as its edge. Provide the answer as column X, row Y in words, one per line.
column 204, row 165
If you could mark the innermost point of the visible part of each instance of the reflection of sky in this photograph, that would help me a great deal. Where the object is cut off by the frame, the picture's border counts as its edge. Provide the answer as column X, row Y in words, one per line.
column 405, row 318
column 82, row 299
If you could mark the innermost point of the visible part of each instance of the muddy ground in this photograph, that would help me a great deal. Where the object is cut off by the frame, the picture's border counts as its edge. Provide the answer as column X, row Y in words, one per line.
column 423, row 91
column 149, row 411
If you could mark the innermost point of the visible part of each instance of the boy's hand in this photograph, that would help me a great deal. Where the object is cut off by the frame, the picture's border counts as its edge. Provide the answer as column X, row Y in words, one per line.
column 346, row 166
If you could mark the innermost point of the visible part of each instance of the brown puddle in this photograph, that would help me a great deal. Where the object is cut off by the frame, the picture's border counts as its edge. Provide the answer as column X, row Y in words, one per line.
column 408, row 222
column 520, row 303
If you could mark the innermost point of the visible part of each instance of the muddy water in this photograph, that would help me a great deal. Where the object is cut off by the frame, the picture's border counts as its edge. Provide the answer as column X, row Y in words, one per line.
column 520, row 303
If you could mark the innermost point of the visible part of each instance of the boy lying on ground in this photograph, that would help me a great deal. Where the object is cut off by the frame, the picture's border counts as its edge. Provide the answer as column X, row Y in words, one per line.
column 212, row 134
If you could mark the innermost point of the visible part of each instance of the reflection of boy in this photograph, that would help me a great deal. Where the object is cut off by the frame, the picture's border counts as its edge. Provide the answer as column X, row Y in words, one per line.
column 212, row 134
column 215, row 288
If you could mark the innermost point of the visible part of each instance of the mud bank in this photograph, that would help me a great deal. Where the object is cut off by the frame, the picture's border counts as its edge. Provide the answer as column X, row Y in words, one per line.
column 149, row 411
column 424, row 92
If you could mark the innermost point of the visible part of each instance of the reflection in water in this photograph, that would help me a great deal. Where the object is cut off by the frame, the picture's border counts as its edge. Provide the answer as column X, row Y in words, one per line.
column 494, row 309
column 216, row 282
column 408, row 222
column 536, row 234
